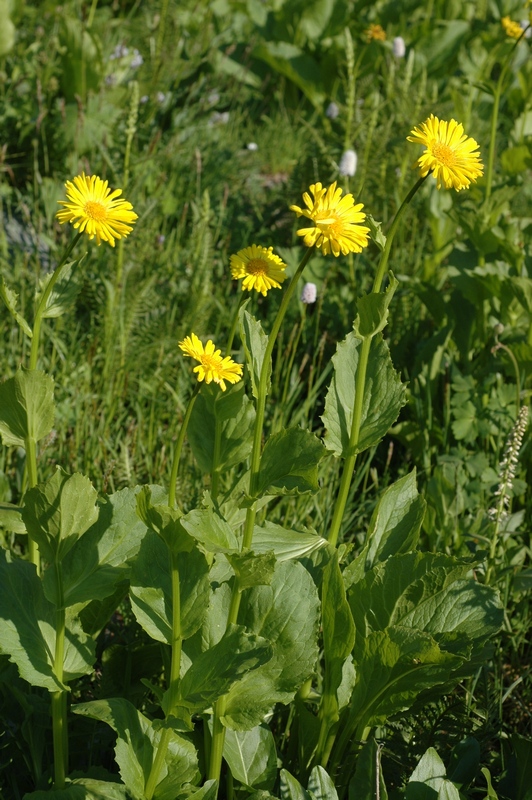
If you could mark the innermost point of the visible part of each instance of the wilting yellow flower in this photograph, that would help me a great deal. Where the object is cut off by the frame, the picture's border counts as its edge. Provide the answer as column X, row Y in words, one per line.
column 212, row 365
column 336, row 221
column 450, row 154
column 375, row 32
column 94, row 208
column 260, row 268
column 511, row 28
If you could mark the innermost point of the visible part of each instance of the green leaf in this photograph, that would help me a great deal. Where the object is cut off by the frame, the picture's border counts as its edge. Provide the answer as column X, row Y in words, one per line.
column 251, row 756
column 27, row 629
column 233, row 412
column 137, row 744
column 286, row 614
column 165, row 521
column 252, row 569
column 57, row 513
column 291, row 789
column 384, row 395
column 82, row 789
column 10, row 299
column 237, row 654
column 99, row 561
column 208, row 526
column 286, row 544
column 375, row 229
column 26, row 407
column 64, row 291
column 151, row 589
column 96, row 614
column 464, row 761
column 373, row 311
column 321, row 787
column 429, row 780
column 315, row 18
column 394, row 527
column 288, row 60
column 492, row 794
column 368, row 774
column 11, row 518
column 289, row 463
column 338, row 625
column 522, row 749
column 255, row 342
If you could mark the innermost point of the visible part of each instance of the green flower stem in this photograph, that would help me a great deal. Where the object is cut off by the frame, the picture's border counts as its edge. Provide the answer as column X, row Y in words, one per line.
column 360, row 381
column 59, row 719
column 158, row 762
column 179, row 446
column 495, row 115
column 218, row 730
column 329, row 725
column 215, row 475
column 31, row 472
column 44, row 299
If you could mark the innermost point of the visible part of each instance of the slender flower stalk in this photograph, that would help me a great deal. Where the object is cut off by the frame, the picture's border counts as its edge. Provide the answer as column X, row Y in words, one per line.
column 59, row 706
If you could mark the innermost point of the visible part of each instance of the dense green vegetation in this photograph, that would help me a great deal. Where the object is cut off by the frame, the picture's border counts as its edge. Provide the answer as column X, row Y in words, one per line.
column 213, row 118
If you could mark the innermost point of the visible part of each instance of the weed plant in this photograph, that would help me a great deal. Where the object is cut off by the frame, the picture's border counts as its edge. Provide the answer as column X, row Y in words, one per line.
column 312, row 582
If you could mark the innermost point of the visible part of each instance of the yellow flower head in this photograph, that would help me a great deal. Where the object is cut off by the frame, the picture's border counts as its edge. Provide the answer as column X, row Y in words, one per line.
column 450, row 154
column 375, row 33
column 260, row 268
column 511, row 28
column 336, row 221
column 212, row 366
column 94, row 208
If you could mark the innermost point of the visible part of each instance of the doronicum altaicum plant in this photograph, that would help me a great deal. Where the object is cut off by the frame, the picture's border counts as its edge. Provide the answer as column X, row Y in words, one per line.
column 269, row 629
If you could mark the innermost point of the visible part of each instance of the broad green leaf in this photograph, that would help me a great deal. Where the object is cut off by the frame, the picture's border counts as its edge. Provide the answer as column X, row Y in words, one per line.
column 289, row 60
column 286, row 544
column 492, row 794
column 393, row 667
column 27, row 629
column 82, row 789
column 289, row 463
column 375, row 229
column 208, row 791
column 522, row 748
column 394, row 527
column 291, row 789
column 384, row 395
column 315, row 18
column 338, row 626
column 208, row 526
column 251, row 756
column 238, row 653
column 464, row 761
column 165, row 521
column 97, row 613
column 151, row 589
column 286, row 613
column 57, row 513
column 136, row 746
column 252, row 569
column 321, row 786
column 429, row 780
column 255, row 342
column 99, row 560
column 10, row 299
column 234, row 414
column 373, row 311
column 26, row 407
column 368, row 774
column 64, row 291
column 11, row 518
column 427, row 592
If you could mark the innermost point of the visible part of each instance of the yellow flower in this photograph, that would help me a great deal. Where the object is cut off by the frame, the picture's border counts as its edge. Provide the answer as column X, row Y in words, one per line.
column 375, row 32
column 260, row 268
column 511, row 28
column 93, row 208
column 212, row 366
column 450, row 154
column 336, row 221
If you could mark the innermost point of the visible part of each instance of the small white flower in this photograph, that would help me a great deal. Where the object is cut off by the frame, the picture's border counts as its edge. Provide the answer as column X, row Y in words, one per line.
column 253, row 146
column 332, row 111
column 144, row 99
column 137, row 59
column 120, row 51
column 161, row 238
column 213, row 98
column 219, row 118
column 399, row 47
column 526, row 24
column 348, row 163
column 161, row 97
column 309, row 293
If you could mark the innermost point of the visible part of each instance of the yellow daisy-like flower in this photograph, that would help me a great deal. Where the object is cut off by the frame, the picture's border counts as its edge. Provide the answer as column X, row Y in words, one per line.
column 336, row 220
column 375, row 33
column 260, row 268
column 450, row 154
column 94, row 208
column 511, row 28
column 212, row 365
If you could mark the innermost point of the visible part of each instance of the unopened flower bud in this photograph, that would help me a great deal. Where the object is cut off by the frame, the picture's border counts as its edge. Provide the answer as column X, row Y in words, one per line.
column 399, row 47
column 348, row 163
column 309, row 293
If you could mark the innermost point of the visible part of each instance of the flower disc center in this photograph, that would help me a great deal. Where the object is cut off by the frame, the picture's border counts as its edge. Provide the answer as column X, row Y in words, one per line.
column 257, row 266
column 95, row 210
column 328, row 223
column 444, row 154
column 209, row 363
